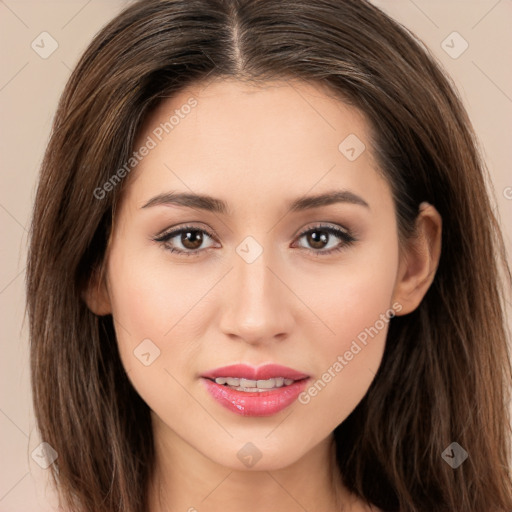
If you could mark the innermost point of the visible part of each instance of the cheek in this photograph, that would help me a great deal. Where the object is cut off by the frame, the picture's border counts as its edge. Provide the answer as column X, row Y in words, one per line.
column 360, row 304
column 356, row 306
column 153, row 311
column 351, row 296
column 152, row 296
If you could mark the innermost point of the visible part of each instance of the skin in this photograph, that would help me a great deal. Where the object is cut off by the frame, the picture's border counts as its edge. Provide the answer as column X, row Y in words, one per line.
column 256, row 147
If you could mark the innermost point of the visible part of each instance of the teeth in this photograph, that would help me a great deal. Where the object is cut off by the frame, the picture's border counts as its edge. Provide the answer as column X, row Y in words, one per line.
column 254, row 385
column 267, row 384
column 246, row 383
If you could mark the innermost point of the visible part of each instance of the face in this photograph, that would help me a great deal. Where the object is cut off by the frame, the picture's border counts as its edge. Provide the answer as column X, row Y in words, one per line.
column 194, row 288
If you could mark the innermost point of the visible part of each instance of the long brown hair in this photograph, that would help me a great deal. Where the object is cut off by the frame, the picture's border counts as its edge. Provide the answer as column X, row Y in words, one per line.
column 446, row 369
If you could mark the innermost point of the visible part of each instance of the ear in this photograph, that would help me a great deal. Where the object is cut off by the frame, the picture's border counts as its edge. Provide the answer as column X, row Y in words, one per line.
column 96, row 294
column 419, row 260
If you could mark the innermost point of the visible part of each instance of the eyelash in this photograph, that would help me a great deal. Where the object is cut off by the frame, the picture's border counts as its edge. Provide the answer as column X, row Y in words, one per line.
column 344, row 235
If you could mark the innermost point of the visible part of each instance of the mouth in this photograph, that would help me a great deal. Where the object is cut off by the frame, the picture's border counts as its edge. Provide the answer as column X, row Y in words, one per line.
column 250, row 391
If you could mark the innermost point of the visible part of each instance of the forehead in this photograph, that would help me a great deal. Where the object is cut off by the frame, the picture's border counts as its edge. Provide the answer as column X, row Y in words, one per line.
column 259, row 141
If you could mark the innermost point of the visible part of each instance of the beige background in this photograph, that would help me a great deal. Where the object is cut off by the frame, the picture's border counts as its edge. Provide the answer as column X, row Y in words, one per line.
column 30, row 87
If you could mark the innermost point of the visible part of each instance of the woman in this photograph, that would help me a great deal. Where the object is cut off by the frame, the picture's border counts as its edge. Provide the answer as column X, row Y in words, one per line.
column 263, row 271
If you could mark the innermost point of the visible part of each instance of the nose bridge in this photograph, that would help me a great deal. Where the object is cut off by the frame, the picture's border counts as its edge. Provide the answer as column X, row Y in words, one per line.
column 256, row 307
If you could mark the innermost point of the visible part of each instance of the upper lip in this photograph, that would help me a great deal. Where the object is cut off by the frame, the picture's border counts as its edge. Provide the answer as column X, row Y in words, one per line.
column 245, row 371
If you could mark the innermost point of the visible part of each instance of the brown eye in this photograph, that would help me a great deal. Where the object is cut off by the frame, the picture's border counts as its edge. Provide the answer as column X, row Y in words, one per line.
column 187, row 241
column 319, row 238
column 192, row 239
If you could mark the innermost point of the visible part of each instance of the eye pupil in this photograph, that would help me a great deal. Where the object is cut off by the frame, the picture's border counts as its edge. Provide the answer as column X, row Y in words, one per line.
column 317, row 241
column 187, row 239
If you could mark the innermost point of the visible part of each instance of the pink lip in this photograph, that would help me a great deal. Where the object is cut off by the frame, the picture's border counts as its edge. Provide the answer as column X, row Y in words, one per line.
column 259, row 403
column 244, row 371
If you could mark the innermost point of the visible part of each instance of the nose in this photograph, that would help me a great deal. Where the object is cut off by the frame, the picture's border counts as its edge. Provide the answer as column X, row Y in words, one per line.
column 258, row 303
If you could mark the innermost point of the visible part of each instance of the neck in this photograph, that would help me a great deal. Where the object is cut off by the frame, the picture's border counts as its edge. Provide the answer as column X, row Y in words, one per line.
column 185, row 480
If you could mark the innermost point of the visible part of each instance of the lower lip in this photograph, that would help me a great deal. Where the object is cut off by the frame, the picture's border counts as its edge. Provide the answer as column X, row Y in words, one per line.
column 264, row 403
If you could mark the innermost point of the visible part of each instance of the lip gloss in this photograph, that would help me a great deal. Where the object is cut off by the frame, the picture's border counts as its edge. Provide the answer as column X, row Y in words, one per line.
column 258, row 403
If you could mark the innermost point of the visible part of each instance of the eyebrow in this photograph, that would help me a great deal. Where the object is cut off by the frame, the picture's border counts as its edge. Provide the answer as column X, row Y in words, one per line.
column 215, row 205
